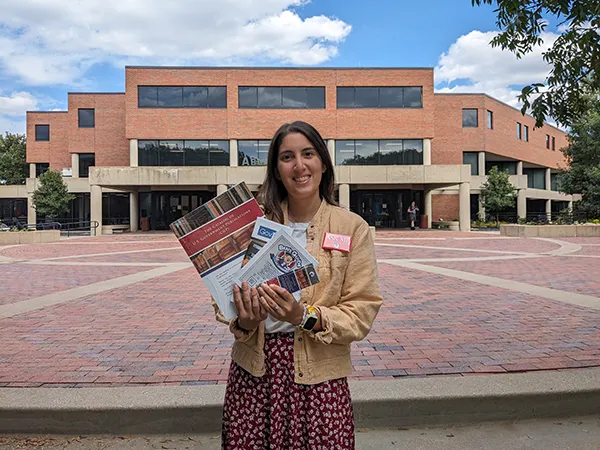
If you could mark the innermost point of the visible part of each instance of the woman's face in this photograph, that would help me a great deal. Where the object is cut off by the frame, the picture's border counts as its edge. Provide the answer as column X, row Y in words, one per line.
column 299, row 167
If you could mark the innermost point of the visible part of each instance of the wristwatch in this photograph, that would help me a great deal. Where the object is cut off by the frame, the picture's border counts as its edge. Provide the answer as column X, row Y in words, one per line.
column 309, row 318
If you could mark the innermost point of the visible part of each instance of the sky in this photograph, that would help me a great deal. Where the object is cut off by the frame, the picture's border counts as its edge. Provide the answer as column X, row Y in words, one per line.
column 51, row 47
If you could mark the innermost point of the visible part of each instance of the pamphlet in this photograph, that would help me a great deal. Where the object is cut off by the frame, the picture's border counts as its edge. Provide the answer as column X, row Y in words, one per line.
column 264, row 230
column 216, row 236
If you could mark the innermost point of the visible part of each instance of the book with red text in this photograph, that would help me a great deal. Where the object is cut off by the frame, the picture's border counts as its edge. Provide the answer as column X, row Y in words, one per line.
column 216, row 236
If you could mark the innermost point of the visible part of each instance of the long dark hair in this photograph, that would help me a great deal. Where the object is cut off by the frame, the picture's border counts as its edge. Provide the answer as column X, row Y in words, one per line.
column 272, row 192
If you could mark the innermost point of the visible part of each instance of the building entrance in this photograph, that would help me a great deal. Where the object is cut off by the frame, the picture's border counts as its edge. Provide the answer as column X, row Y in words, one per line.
column 164, row 207
column 385, row 208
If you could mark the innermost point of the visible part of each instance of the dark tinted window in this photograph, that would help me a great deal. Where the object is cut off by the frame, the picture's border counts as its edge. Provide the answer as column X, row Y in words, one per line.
column 503, row 166
column 315, row 97
column 518, row 130
column 553, row 144
column 42, row 132
column 469, row 118
column 548, row 142
column 525, row 133
column 217, row 97
column 86, row 160
column 269, row 97
column 294, row 97
column 366, row 97
column 536, row 178
column 391, row 97
column 253, row 153
column 183, row 153
column 413, row 152
column 147, row 96
column 413, row 97
column 472, row 158
column 86, row 118
column 379, row 152
column 490, row 120
column 170, row 97
column 391, row 152
column 247, row 97
column 195, row 96
column 345, row 97
column 40, row 168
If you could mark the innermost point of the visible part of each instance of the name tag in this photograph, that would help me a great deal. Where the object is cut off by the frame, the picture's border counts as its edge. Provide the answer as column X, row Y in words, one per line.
column 338, row 242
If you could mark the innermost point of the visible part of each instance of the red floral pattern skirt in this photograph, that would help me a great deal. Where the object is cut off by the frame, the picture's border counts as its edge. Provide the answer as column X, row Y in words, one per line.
column 273, row 412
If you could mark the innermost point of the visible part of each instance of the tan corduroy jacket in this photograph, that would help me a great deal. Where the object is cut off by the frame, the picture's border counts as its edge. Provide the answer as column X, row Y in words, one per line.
column 347, row 297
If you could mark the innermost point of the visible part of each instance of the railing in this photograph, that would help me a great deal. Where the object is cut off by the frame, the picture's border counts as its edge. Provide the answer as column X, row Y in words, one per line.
column 80, row 227
column 540, row 218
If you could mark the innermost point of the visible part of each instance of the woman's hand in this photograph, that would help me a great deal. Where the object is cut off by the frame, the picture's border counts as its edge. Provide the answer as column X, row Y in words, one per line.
column 280, row 304
column 250, row 311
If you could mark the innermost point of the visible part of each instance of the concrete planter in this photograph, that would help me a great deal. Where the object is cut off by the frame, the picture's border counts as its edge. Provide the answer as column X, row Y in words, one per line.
column 29, row 237
column 550, row 231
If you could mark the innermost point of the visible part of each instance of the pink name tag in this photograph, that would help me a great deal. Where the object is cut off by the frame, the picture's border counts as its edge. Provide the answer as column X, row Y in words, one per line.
column 337, row 242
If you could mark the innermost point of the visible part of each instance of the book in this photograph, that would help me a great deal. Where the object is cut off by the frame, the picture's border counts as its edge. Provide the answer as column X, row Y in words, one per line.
column 216, row 236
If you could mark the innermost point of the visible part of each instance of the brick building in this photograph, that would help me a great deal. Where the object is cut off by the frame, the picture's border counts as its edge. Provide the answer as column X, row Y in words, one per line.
column 178, row 136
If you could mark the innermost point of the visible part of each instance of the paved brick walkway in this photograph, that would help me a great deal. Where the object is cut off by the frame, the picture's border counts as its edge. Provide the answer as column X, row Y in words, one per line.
column 472, row 319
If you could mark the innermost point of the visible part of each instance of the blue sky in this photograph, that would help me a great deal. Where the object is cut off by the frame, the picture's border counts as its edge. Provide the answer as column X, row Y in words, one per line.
column 49, row 48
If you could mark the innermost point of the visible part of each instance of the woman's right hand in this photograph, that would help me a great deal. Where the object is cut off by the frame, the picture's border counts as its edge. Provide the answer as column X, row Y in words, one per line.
column 250, row 312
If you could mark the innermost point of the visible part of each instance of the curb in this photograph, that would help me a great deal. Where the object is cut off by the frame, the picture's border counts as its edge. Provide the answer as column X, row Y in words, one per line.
column 447, row 400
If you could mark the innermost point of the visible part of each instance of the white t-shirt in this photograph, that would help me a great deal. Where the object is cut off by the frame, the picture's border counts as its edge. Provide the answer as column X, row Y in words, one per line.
column 277, row 326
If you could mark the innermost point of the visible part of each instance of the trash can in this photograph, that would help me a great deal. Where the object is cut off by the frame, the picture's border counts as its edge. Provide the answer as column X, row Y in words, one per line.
column 145, row 223
column 423, row 219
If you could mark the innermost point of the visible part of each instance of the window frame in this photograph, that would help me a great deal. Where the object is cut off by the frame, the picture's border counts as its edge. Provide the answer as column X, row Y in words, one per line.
column 476, row 117
column 38, row 126
column 490, row 120
column 519, row 131
column 39, row 170
column 475, row 167
column 182, row 105
column 404, row 154
column 158, row 146
column 79, row 110
column 548, row 141
column 526, row 133
column 81, row 173
column 282, row 96
column 379, row 88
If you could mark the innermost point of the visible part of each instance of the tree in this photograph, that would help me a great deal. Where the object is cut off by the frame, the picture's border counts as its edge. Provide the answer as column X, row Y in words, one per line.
column 13, row 167
column 582, row 175
column 574, row 58
column 52, row 198
column 497, row 193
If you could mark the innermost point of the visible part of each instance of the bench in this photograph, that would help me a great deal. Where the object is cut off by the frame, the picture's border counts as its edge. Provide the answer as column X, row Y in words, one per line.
column 114, row 229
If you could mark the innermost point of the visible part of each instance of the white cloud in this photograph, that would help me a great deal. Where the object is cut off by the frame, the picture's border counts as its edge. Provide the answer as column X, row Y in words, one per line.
column 472, row 65
column 50, row 42
column 12, row 107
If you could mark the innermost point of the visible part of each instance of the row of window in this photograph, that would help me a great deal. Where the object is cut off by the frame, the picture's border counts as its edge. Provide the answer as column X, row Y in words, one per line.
column 522, row 132
column 86, row 160
column 470, row 118
column 278, row 97
column 254, row 152
column 86, row 118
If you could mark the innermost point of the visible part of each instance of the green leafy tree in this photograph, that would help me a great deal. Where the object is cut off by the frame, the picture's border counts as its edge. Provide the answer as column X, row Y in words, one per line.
column 52, row 197
column 574, row 58
column 497, row 193
column 13, row 167
column 582, row 175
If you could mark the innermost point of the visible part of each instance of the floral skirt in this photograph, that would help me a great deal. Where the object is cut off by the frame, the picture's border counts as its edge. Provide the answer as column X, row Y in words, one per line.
column 273, row 412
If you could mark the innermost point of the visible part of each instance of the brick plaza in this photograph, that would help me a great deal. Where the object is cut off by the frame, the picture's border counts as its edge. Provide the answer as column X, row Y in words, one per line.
column 130, row 310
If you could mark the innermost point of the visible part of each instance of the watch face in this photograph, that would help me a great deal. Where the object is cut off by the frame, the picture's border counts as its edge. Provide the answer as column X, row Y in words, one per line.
column 310, row 323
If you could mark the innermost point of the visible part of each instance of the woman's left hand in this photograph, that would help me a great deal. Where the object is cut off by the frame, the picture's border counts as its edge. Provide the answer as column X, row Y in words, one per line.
column 280, row 304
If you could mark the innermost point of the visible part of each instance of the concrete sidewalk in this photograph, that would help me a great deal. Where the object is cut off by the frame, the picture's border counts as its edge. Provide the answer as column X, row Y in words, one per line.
column 378, row 404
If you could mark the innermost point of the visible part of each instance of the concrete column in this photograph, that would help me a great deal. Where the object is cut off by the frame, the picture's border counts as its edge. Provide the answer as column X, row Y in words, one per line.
column 548, row 208
column 426, row 152
column 134, row 208
column 464, row 206
column 571, row 206
column 96, row 207
column 31, row 170
column 481, row 163
column 345, row 195
column 233, row 152
column 481, row 210
column 519, row 167
column 331, row 148
column 31, row 212
column 548, row 179
column 133, row 152
column 221, row 188
column 522, row 204
column 428, row 206
column 75, row 165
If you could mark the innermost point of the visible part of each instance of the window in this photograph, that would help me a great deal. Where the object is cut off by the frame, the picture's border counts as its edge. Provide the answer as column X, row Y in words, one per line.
column 536, row 178
column 281, row 97
column 379, row 152
column 555, row 182
column 503, row 166
column 13, row 208
column 553, row 144
column 87, row 117
column 183, row 153
column 519, row 131
column 182, row 97
column 41, row 168
column 469, row 118
column 86, row 160
column 42, row 132
column 380, row 97
column 548, row 141
column 525, row 133
column 253, row 153
column 472, row 158
column 490, row 120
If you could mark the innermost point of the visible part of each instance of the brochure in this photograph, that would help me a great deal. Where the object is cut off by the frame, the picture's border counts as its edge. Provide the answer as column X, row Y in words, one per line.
column 216, row 236
column 281, row 261
column 264, row 230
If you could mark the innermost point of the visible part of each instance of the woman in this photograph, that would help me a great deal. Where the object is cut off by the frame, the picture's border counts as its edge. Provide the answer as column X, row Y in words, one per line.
column 412, row 214
column 287, row 386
